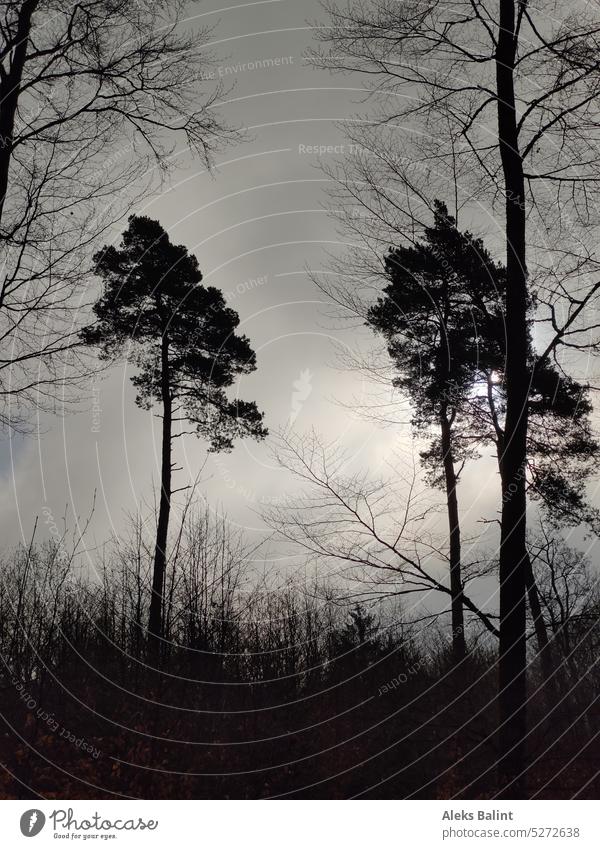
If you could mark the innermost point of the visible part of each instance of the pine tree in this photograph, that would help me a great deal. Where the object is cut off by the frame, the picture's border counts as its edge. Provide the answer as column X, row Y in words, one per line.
column 442, row 315
column 186, row 352
column 441, row 292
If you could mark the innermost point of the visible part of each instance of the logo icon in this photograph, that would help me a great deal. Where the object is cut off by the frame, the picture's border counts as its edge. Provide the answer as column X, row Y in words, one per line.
column 32, row 822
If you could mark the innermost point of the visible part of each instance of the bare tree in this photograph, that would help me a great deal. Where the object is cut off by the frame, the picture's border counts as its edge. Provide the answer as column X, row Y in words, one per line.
column 94, row 98
column 500, row 99
column 351, row 523
column 568, row 592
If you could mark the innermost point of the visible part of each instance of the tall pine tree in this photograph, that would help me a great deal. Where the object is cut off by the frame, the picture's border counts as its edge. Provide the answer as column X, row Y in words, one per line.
column 442, row 314
column 186, row 351
column 440, row 292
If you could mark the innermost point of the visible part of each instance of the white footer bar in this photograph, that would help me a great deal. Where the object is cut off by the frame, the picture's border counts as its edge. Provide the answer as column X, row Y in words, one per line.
column 300, row 824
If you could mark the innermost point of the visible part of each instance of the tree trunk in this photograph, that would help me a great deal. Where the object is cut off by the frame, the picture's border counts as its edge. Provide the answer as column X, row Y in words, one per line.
column 545, row 651
column 10, row 88
column 459, row 648
column 512, row 698
column 541, row 632
column 155, row 627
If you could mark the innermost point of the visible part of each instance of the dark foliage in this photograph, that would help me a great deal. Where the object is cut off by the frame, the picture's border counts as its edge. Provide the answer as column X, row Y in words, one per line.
column 152, row 294
column 439, row 314
column 443, row 317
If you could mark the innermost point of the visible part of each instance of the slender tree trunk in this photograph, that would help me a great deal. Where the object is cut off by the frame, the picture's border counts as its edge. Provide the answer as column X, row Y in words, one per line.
column 513, row 552
column 10, row 86
column 155, row 627
column 459, row 648
column 541, row 632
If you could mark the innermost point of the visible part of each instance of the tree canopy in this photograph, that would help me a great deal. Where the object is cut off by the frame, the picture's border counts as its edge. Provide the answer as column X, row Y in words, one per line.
column 152, row 293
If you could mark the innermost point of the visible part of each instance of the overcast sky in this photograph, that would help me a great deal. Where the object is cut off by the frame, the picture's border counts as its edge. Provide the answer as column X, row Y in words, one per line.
column 255, row 225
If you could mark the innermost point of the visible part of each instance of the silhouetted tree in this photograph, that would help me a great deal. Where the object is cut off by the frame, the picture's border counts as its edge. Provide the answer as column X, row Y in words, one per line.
column 94, row 96
column 501, row 102
column 186, row 351
column 377, row 530
column 441, row 292
column 442, row 315
column 561, row 453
